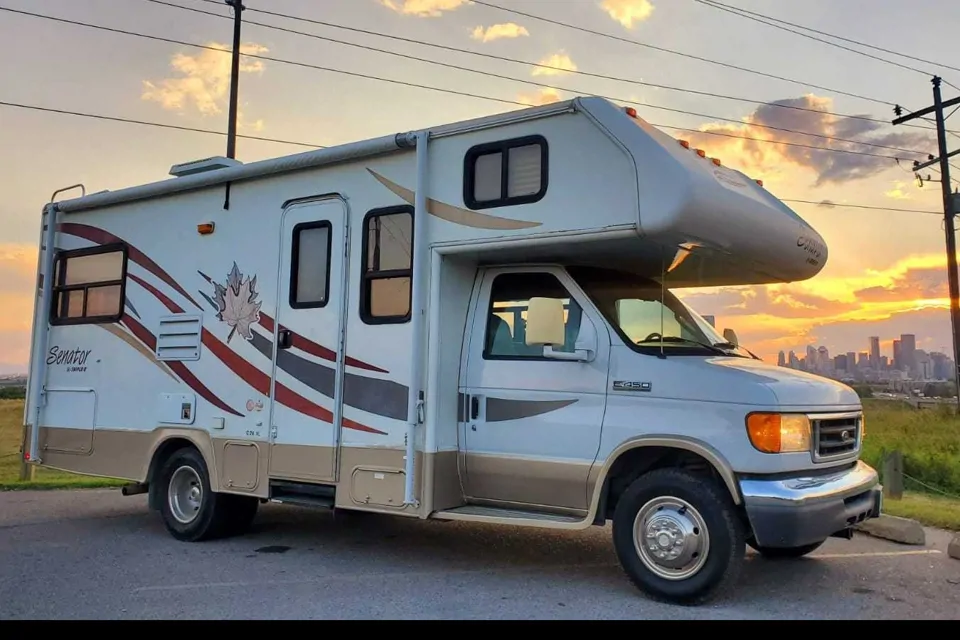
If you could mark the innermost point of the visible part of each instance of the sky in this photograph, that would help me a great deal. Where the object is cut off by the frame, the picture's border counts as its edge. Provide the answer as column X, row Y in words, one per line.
column 886, row 270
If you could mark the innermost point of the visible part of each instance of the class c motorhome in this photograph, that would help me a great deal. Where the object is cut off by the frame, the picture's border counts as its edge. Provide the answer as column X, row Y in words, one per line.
column 472, row 322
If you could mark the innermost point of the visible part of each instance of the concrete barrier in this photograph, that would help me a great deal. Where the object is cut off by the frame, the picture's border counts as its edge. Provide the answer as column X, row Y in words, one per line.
column 902, row 530
column 954, row 549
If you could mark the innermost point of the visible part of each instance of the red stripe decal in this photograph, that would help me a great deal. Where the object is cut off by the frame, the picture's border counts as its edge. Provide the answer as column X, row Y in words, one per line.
column 315, row 349
column 148, row 339
column 93, row 234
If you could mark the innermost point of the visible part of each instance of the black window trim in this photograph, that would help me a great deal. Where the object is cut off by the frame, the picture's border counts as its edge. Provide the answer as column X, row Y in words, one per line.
column 485, row 354
column 59, row 270
column 503, row 147
column 295, row 263
column 367, row 275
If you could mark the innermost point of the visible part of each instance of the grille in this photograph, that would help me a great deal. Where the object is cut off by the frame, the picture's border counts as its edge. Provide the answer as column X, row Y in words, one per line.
column 835, row 437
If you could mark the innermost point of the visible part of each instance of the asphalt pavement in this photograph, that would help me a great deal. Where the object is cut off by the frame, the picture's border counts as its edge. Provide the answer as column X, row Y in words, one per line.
column 98, row 555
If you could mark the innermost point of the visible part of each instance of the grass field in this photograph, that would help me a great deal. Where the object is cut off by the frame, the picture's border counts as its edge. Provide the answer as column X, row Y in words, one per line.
column 929, row 440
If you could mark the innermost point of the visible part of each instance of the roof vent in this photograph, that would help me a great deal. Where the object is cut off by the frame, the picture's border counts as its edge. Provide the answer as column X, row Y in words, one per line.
column 200, row 166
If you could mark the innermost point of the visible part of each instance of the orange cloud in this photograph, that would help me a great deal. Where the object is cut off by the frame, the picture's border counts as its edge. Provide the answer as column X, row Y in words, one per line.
column 544, row 96
column 18, row 264
column 422, row 8
column 559, row 63
column 627, row 12
column 498, row 31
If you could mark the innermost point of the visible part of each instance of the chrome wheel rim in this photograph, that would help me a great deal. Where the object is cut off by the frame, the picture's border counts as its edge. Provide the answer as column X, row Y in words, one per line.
column 185, row 494
column 671, row 538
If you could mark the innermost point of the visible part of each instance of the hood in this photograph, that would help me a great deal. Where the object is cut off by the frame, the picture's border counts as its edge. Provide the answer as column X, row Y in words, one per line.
column 792, row 388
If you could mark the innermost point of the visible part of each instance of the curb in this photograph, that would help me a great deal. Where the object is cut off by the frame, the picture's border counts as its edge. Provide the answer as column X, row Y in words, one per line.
column 902, row 530
column 954, row 549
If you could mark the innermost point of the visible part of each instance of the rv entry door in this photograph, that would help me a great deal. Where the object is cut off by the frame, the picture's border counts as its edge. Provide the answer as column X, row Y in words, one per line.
column 308, row 365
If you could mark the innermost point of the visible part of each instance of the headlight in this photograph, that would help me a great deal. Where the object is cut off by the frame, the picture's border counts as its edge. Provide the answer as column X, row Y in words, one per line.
column 779, row 432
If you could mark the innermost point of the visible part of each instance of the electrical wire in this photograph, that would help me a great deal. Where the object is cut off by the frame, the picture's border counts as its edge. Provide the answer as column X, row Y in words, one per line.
column 743, row 14
column 645, row 105
column 540, row 65
column 832, row 35
column 830, row 205
column 426, row 87
column 151, row 124
column 682, row 54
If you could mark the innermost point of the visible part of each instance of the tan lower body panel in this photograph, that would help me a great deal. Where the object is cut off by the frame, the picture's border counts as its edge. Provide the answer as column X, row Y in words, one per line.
column 546, row 484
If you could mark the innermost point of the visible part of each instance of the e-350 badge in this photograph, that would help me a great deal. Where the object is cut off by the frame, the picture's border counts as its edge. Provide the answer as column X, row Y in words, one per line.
column 631, row 385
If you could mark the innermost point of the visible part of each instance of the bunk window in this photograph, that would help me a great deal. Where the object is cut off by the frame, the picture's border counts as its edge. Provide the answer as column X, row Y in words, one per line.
column 506, row 173
column 385, row 296
column 310, row 265
column 89, row 285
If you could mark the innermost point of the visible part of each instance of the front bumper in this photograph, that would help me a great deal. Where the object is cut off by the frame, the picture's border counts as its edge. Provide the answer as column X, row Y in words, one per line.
column 801, row 510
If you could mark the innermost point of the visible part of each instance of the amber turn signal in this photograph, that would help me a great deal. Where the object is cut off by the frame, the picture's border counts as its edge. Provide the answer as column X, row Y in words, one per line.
column 779, row 433
column 205, row 228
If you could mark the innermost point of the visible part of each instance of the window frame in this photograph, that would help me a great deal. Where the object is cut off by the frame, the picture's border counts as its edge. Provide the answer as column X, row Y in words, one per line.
column 367, row 276
column 60, row 272
column 486, row 354
column 503, row 147
column 295, row 263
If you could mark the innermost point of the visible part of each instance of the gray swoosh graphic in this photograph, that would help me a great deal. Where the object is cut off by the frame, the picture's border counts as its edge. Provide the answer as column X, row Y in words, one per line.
column 501, row 409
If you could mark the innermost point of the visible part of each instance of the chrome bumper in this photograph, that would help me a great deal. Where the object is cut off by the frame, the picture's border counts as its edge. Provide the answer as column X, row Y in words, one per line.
column 800, row 510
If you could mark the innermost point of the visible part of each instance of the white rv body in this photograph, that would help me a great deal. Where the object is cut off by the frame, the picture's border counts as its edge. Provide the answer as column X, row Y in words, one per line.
column 240, row 321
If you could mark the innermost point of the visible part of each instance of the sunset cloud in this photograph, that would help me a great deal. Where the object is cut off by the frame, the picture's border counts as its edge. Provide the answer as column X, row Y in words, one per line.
column 771, row 155
column 899, row 191
column 203, row 81
column 498, row 31
column 422, row 8
column 558, row 64
column 18, row 264
column 544, row 96
column 628, row 12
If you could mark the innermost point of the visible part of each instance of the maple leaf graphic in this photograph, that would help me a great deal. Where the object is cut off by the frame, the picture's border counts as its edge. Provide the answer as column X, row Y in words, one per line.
column 237, row 303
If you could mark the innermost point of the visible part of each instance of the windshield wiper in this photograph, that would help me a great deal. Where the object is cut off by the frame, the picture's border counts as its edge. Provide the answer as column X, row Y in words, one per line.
column 712, row 347
column 730, row 345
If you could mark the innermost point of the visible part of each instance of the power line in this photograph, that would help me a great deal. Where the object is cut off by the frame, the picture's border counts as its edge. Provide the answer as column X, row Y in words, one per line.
column 220, row 133
column 831, row 35
column 742, row 14
column 423, row 86
column 541, row 84
column 830, row 205
column 680, row 53
column 540, row 65
column 151, row 124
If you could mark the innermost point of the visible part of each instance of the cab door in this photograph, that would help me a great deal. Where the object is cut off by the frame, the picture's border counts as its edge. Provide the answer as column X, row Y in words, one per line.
column 531, row 424
column 307, row 387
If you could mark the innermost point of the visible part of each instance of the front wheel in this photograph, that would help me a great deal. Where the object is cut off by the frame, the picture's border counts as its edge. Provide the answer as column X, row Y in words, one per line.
column 678, row 536
column 778, row 553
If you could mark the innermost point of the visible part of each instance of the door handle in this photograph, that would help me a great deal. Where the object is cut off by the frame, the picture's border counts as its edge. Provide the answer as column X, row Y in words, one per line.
column 284, row 339
column 474, row 407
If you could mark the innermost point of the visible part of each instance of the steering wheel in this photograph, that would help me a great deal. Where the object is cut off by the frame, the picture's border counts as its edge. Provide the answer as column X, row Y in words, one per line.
column 653, row 336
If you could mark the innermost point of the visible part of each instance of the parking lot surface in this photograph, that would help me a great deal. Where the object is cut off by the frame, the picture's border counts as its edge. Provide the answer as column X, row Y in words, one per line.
column 99, row 555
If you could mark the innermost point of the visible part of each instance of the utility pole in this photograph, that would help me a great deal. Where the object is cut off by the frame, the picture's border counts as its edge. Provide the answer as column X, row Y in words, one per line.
column 234, row 77
column 949, row 209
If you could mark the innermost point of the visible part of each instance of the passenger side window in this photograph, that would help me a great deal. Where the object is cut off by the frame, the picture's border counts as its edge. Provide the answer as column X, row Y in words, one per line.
column 88, row 288
column 310, row 265
column 506, row 321
column 385, row 296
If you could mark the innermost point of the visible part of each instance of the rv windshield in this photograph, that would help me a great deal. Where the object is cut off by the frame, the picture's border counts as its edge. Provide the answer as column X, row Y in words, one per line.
column 648, row 318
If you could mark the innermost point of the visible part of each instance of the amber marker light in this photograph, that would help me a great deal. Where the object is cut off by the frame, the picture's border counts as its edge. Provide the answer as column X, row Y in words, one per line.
column 684, row 144
column 205, row 228
column 779, row 432
column 701, row 153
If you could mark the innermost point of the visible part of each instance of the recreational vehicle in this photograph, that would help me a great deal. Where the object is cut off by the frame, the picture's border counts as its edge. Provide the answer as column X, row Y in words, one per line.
column 475, row 322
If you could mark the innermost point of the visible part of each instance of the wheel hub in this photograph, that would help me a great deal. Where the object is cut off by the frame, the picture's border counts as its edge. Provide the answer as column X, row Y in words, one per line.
column 185, row 494
column 671, row 538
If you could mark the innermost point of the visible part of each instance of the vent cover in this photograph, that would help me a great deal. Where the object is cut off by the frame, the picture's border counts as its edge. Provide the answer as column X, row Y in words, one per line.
column 178, row 337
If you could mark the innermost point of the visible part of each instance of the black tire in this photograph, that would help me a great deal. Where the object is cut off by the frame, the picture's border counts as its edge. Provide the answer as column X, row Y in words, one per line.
column 210, row 519
column 711, row 517
column 780, row 553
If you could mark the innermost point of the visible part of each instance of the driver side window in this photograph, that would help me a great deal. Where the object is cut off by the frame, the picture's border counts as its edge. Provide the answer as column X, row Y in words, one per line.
column 505, row 337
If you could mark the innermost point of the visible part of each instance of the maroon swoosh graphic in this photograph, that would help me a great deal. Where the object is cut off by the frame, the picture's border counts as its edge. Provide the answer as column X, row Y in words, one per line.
column 100, row 236
column 148, row 339
column 251, row 374
column 308, row 346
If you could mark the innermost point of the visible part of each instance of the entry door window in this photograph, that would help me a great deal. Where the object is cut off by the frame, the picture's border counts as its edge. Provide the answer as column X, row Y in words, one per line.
column 507, row 318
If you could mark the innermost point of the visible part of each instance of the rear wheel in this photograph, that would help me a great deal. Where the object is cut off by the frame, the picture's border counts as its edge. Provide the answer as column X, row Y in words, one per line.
column 778, row 553
column 678, row 536
column 190, row 510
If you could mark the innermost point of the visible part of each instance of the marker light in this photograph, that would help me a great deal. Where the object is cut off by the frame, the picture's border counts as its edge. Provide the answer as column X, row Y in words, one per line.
column 631, row 112
column 684, row 144
column 701, row 153
column 715, row 161
column 760, row 182
column 779, row 433
column 205, row 228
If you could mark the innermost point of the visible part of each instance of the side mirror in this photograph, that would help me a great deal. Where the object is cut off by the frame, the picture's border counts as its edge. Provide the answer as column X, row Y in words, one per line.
column 731, row 336
column 546, row 327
